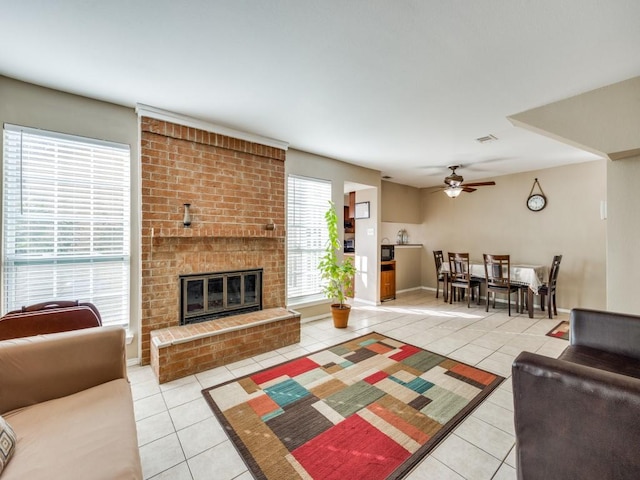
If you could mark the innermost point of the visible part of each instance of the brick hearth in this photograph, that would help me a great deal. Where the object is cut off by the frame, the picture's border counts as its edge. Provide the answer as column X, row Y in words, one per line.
column 235, row 189
column 185, row 350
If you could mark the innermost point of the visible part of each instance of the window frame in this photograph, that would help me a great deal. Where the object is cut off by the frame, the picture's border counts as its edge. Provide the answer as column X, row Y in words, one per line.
column 302, row 260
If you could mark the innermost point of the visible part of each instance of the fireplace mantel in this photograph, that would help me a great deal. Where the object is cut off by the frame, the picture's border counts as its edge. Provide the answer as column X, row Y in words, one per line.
column 219, row 231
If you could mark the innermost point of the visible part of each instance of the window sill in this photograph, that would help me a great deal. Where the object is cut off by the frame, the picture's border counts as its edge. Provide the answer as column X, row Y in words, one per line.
column 310, row 302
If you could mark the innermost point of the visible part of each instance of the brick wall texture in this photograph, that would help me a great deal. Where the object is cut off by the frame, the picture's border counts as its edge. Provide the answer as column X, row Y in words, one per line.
column 235, row 189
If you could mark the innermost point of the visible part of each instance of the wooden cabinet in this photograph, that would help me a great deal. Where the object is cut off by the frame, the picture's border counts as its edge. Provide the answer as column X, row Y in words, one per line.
column 349, row 222
column 352, row 204
column 387, row 280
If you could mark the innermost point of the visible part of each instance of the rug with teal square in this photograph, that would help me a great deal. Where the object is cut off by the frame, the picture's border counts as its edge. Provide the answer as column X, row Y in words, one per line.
column 370, row 408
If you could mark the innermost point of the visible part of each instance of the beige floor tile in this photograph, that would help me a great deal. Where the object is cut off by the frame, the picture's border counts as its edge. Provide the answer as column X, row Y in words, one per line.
column 511, row 458
column 466, row 459
column 179, row 472
column 180, row 382
column 149, row 406
column 505, row 472
column 201, row 436
column 215, row 376
column 499, row 363
column 431, row 469
column 486, row 437
column 502, row 397
column 497, row 416
column 155, row 427
column 221, row 462
column 471, row 354
column 138, row 374
column 190, row 413
column 144, row 389
column 182, row 394
column 160, row 455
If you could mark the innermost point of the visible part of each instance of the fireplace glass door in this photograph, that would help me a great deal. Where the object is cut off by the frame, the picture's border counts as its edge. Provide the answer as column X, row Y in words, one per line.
column 227, row 293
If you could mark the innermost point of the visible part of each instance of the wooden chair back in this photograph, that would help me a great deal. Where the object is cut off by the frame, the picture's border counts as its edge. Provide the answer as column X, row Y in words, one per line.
column 497, row 270
column 438, row 258
column 553, row 272
column 459, row 267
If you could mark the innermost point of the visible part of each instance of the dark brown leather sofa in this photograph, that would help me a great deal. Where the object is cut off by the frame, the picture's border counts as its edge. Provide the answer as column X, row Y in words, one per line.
column 578, row 416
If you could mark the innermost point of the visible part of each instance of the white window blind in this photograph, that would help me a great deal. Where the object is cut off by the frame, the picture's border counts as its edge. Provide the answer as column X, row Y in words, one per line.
column 307, row 202
column 66, row 221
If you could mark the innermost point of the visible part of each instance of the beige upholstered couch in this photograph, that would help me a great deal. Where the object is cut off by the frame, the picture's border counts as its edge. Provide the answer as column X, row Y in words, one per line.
column 67, row 397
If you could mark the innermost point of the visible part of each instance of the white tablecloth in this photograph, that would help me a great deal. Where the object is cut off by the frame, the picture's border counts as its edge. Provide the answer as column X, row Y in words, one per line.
column 532, row 275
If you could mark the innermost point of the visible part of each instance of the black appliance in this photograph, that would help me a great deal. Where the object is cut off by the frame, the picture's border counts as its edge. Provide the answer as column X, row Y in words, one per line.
column 349, row 245
column 387, row 253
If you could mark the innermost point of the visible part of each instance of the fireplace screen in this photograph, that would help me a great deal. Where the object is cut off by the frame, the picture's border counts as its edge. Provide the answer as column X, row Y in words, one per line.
column 213, row 295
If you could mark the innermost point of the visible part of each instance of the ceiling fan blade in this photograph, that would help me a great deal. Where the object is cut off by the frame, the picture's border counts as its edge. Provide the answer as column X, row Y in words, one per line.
column 478, row 184
column 467, row 189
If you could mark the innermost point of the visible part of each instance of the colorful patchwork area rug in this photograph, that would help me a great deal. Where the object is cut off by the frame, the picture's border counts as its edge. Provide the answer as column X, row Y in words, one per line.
column 370, row 408
column 560, row 331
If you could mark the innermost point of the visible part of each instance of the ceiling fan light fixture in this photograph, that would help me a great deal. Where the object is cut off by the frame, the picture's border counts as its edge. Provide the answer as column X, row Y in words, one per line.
column 453, row 192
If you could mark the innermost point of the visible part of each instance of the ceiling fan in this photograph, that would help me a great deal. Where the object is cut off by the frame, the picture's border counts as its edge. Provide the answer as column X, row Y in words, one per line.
column 455, row 187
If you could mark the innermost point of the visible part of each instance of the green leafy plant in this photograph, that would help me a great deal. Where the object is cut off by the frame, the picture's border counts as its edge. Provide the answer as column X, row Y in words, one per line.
column 337, row 275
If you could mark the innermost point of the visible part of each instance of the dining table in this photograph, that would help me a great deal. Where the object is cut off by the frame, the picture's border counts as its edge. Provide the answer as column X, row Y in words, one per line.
column 524, row 275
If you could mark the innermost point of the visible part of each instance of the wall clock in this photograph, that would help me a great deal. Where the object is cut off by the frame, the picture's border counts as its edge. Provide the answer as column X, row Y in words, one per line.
column 536, row 201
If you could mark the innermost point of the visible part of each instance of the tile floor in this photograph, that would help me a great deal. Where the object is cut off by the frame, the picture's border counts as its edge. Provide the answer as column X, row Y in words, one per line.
column 180, row 439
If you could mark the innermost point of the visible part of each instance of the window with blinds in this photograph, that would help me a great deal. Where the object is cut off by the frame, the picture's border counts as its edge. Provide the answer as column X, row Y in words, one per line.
column 307, row 201
column 66, row 221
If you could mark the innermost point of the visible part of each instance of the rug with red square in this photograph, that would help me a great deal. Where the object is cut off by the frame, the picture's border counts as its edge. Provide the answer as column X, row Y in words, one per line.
column 560, row 331
column 370, row 408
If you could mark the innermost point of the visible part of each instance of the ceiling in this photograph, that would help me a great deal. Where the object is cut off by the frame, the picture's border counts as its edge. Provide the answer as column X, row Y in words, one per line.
column 401, row 87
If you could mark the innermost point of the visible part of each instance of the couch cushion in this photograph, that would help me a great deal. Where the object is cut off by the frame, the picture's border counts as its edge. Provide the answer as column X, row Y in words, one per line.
column 90, row 434
column 7, row 443
column 610, row 362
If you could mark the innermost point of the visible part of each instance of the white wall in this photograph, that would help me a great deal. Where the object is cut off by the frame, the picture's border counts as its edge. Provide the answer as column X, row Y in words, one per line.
column 367, row 259
column 623, row 236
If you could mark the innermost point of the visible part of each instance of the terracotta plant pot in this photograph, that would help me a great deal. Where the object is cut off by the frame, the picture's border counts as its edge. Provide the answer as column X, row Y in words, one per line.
column 340, row 315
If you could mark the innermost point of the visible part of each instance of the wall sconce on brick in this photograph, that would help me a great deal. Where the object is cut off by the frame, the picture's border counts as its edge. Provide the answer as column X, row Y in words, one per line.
column 187, row 215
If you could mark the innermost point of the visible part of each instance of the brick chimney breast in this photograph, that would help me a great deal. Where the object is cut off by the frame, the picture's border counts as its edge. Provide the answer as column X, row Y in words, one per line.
column 236, row 189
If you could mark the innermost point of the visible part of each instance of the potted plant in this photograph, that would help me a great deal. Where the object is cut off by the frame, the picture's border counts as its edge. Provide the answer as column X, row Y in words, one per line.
column 337, row 275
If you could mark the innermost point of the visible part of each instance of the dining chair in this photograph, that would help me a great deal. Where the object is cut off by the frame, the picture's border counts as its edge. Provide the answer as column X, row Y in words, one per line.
column 497, row 271
column 549, row 290
column 438, row 258
column 460, row 278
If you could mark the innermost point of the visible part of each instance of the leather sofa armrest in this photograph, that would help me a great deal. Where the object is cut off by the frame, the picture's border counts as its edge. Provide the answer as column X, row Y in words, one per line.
column 44, row 367
column 573, row 421
column 611, row 332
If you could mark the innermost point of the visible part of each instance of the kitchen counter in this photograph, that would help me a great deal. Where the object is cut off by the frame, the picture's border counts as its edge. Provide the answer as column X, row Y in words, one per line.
column 405, row 245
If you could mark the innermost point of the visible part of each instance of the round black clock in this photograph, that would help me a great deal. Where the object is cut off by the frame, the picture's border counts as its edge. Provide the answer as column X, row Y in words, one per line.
column 536, row 202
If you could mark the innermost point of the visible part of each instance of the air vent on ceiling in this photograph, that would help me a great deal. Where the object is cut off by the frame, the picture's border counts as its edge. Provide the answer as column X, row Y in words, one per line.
column 386, row 177
column 487, row 138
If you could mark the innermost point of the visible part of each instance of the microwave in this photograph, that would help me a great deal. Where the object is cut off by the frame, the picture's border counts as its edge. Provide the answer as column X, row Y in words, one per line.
column 349, row 245
column 386, row 253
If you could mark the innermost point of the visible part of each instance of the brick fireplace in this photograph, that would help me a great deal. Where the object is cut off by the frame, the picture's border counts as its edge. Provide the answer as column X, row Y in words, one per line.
column 236, row 189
